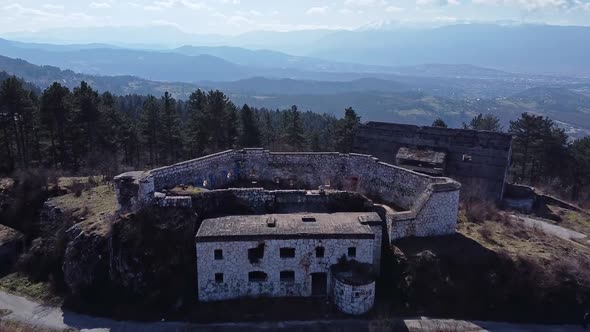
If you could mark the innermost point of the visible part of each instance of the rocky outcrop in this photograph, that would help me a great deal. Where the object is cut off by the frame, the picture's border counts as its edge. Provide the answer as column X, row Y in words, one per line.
column 74, row 234
column 11, row 245
column 152, row 254
column 86, row 256
column 52, row 218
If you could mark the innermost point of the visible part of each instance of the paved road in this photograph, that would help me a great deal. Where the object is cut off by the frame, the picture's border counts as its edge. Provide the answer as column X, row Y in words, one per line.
column 53, row 317
column 551, row 229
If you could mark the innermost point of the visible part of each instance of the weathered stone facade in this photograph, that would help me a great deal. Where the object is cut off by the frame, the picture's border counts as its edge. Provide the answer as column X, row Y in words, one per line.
column 223, row 255
column 478, row 159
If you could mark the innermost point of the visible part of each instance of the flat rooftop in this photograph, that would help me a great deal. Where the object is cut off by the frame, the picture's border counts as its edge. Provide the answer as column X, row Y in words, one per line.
column 352, row 225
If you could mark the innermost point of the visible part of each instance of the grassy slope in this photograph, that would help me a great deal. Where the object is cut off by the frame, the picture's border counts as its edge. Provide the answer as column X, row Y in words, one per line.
column 517, row 240
column 93, row 207
column 492, row 269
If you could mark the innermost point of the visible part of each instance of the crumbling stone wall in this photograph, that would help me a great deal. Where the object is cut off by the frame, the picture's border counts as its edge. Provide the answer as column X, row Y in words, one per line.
column 406, row 190
column 351, row 172
column 478, row 159
column 235, row 266
column 261, row 201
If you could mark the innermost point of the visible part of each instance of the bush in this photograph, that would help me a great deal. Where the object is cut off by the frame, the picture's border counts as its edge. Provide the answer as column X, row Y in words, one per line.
column 20, row 207
column 478, row 211
column 77, row 188
column 485, row 232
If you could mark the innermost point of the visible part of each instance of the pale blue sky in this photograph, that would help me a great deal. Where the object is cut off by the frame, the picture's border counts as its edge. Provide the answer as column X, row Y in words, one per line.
column 237, row 16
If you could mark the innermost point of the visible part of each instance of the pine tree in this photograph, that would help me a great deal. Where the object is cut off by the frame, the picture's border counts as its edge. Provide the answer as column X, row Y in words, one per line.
column 294, row 129
column 250, row 133
column 537, row 143
column 579, row 166
column 129, row 140
column 199, row 117
column 230, row 126
column 55, row 112
column 269, row 133
column 170, row 129
column 439, row 123
column 346, row 129
column 84, row 123
column 17, row 110
column 484, row 122
column 217, row 107
column 110, row 123
column 150, row 124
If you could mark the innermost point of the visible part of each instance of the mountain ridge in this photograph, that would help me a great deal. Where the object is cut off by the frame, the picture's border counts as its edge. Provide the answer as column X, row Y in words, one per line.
column 394, row 103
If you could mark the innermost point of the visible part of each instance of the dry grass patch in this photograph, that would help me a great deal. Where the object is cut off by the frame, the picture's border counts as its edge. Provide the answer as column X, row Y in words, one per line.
column 508, row 236
column 94, row 206
column 519, row 240
column 576, row 221
column 68, row 182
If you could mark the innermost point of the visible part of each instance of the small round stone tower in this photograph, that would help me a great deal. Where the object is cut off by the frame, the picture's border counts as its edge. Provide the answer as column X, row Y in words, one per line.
column 354, row 287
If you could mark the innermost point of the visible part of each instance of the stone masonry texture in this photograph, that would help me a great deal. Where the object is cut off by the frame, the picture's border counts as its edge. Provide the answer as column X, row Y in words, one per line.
column 337, row 185
column 425, row 205
column 235, row 266
column 478, row 159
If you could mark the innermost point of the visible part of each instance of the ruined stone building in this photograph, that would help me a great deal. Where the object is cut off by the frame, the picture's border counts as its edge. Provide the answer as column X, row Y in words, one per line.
column 478, row 159
column 282, row 255
column 267, row 230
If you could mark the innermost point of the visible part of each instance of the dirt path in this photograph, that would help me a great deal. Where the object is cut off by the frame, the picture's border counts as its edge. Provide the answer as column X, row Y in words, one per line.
column 35, row 314
column 548, row 228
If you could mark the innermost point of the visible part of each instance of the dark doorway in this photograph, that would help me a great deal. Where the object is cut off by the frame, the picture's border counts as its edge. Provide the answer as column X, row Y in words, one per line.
column 319, row 284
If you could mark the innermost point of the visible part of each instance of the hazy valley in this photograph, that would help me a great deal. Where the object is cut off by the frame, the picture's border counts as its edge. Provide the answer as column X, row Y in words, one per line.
column 418, row 94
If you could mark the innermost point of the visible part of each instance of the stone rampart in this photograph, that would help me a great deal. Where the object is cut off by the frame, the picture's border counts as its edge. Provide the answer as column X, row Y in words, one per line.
column 478, row 159
column 429, row 204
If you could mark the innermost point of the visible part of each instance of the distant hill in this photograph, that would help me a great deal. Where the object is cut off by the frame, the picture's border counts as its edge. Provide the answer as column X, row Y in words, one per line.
column 187, row 63
column 518, row 48
column 153, row 65
column 274, row 59
column 545, row 49
column 538, row 49
column 561, row 103
column 43, row 76
column 374, row 99
column 198, row 64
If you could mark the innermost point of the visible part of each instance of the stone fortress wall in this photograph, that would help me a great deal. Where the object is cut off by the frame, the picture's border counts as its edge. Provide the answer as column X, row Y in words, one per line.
column 478, row 159
column 423, row 205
